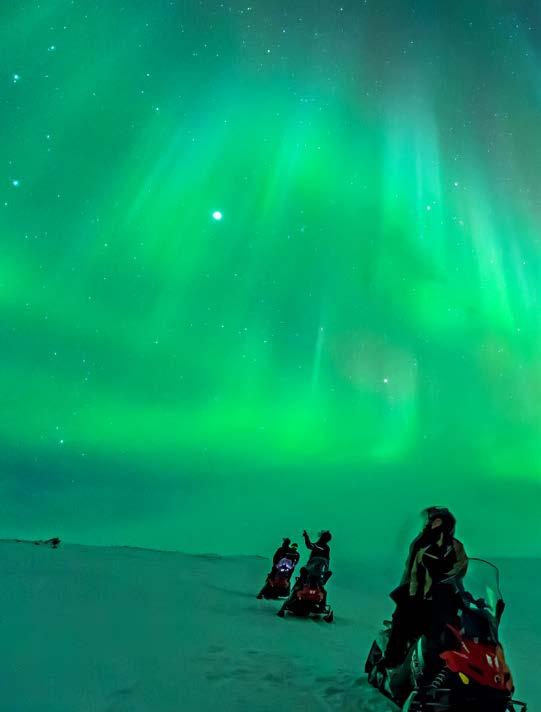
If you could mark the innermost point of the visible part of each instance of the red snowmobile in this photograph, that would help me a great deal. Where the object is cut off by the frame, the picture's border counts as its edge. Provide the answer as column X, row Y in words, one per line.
column 309, row 597
column 278, row 582
column 458, row 664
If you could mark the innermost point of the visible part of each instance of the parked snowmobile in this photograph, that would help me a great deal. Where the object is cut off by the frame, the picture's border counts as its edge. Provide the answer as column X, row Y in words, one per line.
column 309, row 597
column 277, row 584
column 458, row 664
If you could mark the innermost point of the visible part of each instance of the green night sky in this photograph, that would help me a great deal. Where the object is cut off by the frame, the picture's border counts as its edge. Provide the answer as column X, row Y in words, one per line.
column 356, row 338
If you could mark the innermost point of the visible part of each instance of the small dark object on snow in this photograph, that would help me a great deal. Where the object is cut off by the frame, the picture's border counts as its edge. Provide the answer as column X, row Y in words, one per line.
column 54, row 542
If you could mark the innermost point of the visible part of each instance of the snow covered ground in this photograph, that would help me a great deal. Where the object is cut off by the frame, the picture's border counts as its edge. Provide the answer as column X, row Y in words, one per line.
column 92, row 629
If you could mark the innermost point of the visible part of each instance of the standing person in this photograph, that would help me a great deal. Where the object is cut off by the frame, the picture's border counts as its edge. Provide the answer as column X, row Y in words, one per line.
column 320, row 555
column 320, row 548
column 434, row 555
column 316, row 568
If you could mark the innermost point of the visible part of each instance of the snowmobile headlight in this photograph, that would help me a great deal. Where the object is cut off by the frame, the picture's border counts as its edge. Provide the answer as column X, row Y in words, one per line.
column 465, row 679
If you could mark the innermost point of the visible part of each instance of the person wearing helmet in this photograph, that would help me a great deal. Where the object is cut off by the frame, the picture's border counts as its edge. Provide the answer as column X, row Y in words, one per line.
column 434, row 555
column 320, row 557
column 319, row 549
column 281, row 551
column 441, row 557
column 316, row 568
column 286, row 550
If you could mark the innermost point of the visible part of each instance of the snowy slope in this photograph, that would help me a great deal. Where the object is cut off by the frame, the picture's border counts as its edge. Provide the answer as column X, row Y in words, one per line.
column 90, row 629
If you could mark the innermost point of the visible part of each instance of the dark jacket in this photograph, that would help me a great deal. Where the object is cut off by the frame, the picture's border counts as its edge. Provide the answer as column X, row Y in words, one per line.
column 318, row 549
column 280, row 553
column 428, row 563
column 293, row 556
column 435, row 563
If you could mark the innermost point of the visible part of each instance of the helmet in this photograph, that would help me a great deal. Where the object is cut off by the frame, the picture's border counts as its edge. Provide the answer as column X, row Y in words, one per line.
column 448, row 520
column 294, row 546
column 325, row 536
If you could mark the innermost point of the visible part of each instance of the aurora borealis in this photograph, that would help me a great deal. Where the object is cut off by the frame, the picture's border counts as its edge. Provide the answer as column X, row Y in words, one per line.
column 267, row 266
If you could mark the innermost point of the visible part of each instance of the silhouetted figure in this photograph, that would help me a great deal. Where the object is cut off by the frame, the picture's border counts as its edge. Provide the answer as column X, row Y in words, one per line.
column 284, row 562
column 434, row 555
column 320, row 548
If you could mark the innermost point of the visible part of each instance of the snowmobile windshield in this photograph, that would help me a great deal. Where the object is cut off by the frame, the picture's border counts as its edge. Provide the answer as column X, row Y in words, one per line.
column 482, row 583
column 481, row 601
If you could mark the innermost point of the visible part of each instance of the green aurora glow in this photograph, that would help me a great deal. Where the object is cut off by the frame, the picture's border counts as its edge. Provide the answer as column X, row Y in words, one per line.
column 363, row 325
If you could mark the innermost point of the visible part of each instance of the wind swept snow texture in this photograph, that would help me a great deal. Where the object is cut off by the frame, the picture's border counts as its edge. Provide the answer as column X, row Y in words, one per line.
column 90, row 629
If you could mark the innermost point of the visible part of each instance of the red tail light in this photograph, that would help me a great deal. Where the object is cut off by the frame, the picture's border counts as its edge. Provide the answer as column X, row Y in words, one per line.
column 310, row 594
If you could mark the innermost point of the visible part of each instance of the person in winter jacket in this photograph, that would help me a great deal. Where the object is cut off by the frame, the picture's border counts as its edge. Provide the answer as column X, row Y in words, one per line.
column 320, row 548
column 434, row 555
